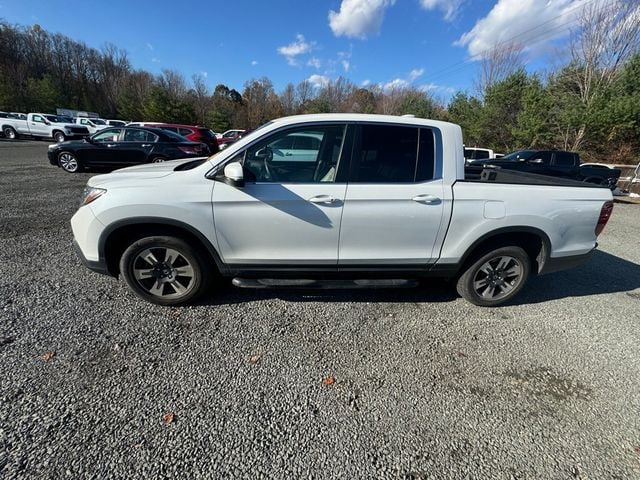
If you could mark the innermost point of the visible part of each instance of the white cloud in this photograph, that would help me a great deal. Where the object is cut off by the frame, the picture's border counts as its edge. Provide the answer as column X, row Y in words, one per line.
column 314, row 62
column 296, row 48
column 204, row 74
column 155, row 60
column 318, row 80
column 404, row 82
column 366, row 83
column 449, row 8
column 358, row 18
column 516, row 21
column 149, row 46
column 395, row 84
column 346, row 65
column 435, row 87
column 254, row 62
column 415, row 73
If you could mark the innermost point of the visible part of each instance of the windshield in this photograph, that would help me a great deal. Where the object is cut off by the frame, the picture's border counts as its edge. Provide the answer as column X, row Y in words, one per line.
column 519, row 155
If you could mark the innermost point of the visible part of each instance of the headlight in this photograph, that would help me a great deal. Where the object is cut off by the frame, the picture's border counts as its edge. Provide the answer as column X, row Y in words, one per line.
column 89, row 194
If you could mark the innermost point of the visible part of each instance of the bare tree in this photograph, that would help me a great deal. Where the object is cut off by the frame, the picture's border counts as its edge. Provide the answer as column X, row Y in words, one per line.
column 304, row 93
column 288, row 100
column 608, row 34
column 201, row 97
column 497, row 64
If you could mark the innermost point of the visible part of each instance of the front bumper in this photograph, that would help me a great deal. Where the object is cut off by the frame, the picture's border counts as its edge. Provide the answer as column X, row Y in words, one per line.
column 99, row 267
column 52, row 154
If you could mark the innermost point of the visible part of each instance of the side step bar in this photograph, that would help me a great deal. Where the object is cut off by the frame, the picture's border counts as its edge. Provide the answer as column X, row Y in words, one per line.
column 323, row 284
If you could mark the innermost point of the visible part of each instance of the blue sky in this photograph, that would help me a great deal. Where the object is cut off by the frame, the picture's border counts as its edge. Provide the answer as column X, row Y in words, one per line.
column 431, row 44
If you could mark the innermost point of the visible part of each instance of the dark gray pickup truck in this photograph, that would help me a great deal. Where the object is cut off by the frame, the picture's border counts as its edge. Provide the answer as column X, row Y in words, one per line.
column 555, row 163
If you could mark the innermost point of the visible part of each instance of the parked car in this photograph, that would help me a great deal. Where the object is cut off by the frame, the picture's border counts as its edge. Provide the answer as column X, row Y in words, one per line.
column 382, row 202
column 117, row 147
column 476, row 153
column 41, row 125
column 190, row 132
column 556, row 163
column 93, row 124
column 116, row 123
column 230, row 133
column 229, row 137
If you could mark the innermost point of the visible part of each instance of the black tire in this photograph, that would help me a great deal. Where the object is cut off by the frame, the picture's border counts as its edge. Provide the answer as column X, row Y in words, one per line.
column 166, row 270
column 157, row 159
column 59, row 137
column 489, row 282
column 69, row 163
column 10, row 133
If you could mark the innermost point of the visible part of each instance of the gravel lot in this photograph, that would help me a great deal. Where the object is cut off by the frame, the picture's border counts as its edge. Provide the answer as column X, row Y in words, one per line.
column 426, row 385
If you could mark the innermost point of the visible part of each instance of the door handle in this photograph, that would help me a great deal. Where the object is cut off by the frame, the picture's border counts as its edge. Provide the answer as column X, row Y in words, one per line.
column 288, row 154
column 111, row 145
column 326, row 199
column 427, row 199
column 145, row 145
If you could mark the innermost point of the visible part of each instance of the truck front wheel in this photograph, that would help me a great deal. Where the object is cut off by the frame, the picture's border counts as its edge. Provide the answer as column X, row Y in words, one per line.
column 165, row 270
column 59, row 137
column 495, row 277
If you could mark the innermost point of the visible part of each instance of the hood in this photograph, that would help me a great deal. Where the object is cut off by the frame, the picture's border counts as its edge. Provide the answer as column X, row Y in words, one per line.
column 139, row 172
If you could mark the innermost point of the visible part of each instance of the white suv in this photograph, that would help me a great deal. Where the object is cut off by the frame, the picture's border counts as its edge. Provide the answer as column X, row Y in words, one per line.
column 334, row 200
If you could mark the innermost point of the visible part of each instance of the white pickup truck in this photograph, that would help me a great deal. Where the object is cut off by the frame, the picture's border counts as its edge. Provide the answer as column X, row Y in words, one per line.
column 93, row 124
column 42, row 125
column 368, row 201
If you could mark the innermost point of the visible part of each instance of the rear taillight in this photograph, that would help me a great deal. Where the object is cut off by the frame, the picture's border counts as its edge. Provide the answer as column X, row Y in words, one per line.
column 605, row 214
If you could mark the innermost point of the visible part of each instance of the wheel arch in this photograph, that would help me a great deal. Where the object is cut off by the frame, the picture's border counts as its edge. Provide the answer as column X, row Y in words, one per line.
column 118, row 236
column 533, row 240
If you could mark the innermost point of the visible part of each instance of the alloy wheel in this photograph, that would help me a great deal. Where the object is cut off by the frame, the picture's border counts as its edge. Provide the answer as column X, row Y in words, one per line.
column 163, row 272
column 497, row 277
column 68, row 162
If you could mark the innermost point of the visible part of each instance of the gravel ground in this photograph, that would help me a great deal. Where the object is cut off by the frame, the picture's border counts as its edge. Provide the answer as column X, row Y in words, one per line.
column 426, row 385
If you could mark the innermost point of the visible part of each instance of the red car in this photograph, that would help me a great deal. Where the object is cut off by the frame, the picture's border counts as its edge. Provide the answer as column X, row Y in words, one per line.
column 191, row 132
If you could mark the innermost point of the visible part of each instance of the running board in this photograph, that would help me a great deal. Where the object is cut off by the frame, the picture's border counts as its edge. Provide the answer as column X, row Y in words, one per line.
column 323, row 284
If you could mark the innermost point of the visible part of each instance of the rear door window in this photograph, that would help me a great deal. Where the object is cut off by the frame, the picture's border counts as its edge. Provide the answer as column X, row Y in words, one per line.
column 393, row 154
column 135, row 135
column 564, row 159
column 184, row 131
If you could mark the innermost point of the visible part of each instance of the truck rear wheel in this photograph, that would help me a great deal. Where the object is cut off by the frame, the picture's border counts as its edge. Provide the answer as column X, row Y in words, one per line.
column 10, row 133
column 495, row 277
column 59, row 137
column 165, row 270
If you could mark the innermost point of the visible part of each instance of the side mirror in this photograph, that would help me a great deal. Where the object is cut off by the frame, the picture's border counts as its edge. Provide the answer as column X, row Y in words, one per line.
column 234, row 175
column 47, row 122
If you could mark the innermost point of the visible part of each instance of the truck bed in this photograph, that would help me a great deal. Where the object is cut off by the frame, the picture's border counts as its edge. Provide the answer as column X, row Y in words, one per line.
column 473, row 173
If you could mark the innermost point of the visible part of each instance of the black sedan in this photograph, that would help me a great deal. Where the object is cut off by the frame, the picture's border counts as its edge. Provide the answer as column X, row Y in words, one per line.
column 119, row 147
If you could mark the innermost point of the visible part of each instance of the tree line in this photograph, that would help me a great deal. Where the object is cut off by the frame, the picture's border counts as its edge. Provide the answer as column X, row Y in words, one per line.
column 590, row 103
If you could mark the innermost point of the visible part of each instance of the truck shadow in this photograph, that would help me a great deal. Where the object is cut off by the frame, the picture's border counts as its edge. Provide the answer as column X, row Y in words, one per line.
column 604, row 273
